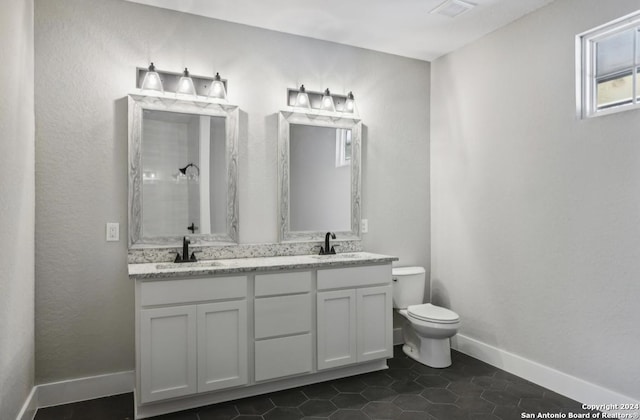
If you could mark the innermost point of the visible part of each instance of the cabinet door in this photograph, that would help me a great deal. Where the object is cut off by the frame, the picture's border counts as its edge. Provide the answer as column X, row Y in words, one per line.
column 336, row 328
column 374, row 323
column 222, row 345
column 167, row 352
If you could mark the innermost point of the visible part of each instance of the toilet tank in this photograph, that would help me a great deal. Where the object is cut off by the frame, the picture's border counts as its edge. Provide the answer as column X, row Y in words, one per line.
column 408, row 286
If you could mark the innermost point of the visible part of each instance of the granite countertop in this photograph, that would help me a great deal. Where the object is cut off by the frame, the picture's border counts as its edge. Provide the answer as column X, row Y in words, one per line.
column 247, row 265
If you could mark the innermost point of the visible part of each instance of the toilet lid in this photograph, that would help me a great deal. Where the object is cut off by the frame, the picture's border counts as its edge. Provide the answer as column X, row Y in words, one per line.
column 432, row 313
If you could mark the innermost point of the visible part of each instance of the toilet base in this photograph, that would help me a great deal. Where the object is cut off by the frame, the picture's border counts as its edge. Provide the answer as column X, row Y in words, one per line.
column 432, row 352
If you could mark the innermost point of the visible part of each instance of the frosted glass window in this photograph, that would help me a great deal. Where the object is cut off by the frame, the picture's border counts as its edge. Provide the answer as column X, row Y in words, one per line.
column 609, row 63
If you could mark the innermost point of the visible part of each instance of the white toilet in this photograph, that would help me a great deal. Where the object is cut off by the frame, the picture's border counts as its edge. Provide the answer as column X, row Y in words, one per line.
column 429, row 327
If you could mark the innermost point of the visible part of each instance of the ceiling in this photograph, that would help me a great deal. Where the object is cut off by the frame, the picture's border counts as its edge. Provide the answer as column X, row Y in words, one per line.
column 402, row 27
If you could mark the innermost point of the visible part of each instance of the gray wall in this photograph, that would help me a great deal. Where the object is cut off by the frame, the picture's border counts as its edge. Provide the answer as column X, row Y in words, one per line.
column 17, row 206
column 86, row 55
column 535, row 214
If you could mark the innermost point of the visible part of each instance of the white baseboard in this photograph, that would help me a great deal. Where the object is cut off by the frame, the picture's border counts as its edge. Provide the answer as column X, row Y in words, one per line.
column 562, row 383
column 82, row 389
column 30, row 406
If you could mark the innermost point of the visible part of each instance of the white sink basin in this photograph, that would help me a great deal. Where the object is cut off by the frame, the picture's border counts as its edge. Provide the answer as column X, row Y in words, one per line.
column 197, row 264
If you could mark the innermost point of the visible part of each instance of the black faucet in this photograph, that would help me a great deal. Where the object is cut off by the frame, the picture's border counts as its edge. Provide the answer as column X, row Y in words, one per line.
column 326, row 250
column 185, row 252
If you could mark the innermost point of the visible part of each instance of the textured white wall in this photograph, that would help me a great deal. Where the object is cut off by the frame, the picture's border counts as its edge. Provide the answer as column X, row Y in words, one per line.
column 535, row 214
column 17, row 206
column 86, row 55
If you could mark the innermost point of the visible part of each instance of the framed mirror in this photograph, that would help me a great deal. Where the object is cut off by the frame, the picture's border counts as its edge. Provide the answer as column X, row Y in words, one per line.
column 319, row 187
column 183, row 172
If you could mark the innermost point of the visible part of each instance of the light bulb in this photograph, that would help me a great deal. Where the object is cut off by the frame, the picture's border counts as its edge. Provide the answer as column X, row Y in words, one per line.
column 185, row 86
column 152, row 81
column 217, row 89
column 350, row 104
column 302, row 100
column 327, row 102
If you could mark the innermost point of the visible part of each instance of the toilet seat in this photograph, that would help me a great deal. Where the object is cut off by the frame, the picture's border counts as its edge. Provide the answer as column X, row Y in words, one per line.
column 432, row 313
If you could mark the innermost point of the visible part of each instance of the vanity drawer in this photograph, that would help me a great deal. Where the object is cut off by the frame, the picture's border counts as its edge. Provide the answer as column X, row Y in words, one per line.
column 192, row 290
column 283, row 283
column 339, row 278
column 284, row 356
column 282, row 315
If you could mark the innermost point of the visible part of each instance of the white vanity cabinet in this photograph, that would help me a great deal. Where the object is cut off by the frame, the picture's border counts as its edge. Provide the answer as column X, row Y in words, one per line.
column 282, row 325
column 204, row 337
column 192, row 336
column 355, row 320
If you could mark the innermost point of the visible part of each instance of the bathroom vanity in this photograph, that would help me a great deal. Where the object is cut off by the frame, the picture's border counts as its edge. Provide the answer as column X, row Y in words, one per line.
column 218, row 330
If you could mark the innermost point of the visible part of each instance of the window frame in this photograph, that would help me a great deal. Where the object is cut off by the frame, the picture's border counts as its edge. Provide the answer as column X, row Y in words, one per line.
column 586, row 80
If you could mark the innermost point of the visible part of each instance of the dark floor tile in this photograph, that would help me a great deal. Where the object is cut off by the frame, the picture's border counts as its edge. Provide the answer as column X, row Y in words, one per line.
column 439, row 395
column 415, row 415
column 353, row 384
column 508, row 412
column 406, row 387
column 539, row 405
column 412, row 403
column 289, row 398
column 377, row 379
column 566, row 403
column 400, row 363
column 379, row 393
column 351, row 401
column 465, row 389
column 60, row 412
column 382, row 410
column 484, row 416
column 283, row 413
column 318, row 408
column 524, row 390
column 489, row 382
column 322, row 390
column 447, row 412
column 348, row 415
column 254, row 405
column 402, row 374
column 475, row 404
column 432, row 381
column 218, row 412
column 248, row 417
column 500, row 397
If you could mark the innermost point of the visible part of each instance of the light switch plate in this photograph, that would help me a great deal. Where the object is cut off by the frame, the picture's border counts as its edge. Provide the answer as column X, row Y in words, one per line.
column 364, row 226
column 113, row 232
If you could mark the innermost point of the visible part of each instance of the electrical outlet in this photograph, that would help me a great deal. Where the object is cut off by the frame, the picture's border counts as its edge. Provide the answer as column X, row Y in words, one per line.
column 113, row 232
column 364, row 227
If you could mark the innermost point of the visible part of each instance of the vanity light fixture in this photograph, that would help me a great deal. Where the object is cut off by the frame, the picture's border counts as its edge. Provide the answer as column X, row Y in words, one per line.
column 302, row 100
column 152, row 81
column 217, row 90
column 321, row 101
column 185, row 85
column 350, row 103
column 181, row 85
column 327, row 102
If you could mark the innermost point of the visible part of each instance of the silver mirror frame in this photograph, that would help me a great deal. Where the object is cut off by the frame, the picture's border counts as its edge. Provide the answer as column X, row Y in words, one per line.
column 329, row 120
column 137, row 104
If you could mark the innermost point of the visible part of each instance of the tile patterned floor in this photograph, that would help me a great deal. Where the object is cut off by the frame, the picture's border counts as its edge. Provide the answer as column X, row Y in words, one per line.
column 469, row 390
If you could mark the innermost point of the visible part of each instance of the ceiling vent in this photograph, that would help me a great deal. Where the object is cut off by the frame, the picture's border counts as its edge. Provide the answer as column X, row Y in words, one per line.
column 452, row 8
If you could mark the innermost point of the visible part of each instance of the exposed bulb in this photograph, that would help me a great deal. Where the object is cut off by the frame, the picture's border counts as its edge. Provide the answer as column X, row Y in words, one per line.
column 217, row 89
column 327, row 102
column 152, row 80
column 350, row 104
column 302, row 100
column 185, row 85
